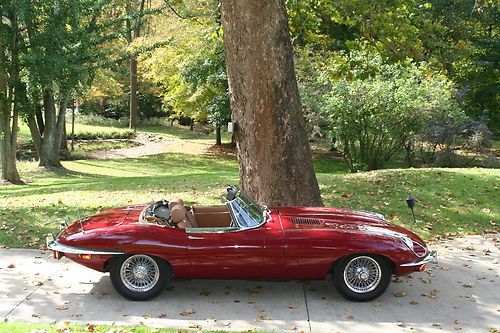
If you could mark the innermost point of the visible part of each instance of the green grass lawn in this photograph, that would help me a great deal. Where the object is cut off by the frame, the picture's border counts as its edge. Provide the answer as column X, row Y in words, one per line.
column 450, row 201
column 79, row 328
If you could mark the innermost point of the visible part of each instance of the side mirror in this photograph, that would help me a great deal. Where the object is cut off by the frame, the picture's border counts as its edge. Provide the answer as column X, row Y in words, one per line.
column 223, row 199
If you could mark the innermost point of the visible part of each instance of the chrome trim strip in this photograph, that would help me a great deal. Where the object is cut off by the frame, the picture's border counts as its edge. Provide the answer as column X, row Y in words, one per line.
column 55, row 246
column 430, row 258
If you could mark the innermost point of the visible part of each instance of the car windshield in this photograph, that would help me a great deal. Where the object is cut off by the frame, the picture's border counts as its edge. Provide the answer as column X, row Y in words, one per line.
column 246, row 212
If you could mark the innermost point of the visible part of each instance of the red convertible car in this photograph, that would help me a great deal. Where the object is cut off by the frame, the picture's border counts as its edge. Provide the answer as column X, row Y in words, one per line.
column 144, row 247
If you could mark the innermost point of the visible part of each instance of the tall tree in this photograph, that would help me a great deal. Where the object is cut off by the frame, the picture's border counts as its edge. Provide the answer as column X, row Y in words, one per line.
column 9, row 74
column 63, row 36
column 273, row 151
column 134, row 24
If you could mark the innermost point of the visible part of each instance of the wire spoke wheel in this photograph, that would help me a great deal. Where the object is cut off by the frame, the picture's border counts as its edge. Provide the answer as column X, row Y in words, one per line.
column 362, row 274
column 139, row 273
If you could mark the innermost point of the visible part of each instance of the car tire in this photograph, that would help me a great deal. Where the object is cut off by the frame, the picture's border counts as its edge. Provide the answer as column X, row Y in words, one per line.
column 139, row 277
column 362, row 278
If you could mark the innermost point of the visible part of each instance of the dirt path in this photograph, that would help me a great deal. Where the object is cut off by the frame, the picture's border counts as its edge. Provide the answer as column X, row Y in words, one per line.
column 151, row 144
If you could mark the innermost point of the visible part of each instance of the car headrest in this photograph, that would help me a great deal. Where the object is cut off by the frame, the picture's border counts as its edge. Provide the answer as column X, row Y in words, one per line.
column 175, row 202
column 178, row 213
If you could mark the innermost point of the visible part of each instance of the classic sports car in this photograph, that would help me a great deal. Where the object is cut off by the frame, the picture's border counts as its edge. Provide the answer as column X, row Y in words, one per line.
column 144, row 247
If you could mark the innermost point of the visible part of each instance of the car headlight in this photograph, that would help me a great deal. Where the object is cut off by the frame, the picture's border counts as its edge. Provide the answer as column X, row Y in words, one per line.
column 408, row 242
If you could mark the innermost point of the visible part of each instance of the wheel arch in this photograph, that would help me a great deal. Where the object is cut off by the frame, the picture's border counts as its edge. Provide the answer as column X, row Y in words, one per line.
column 108, row 262
column 352, row 255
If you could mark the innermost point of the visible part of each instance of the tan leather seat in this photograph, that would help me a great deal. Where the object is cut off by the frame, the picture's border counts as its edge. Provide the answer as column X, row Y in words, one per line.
column 174, row 202
column 182, row 217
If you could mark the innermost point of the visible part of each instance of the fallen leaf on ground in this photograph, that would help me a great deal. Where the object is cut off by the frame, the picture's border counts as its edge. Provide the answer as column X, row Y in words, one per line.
column 292, row 306
column 62, row 307
column 431, row 294
column 188, row 312
column 261, row 318
column 12, row 266
column 399, row 294
column 414, row 302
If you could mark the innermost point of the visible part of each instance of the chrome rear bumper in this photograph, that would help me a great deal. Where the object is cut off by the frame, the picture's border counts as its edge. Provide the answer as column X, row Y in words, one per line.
column 54, row 245
column 430, row 258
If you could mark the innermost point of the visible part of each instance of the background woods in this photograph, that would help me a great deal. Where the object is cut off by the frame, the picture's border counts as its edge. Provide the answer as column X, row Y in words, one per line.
column 381, row 84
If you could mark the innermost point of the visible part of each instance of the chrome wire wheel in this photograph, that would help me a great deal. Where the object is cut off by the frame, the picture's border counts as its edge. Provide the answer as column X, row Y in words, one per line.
column 362, row 274
column 139, row 273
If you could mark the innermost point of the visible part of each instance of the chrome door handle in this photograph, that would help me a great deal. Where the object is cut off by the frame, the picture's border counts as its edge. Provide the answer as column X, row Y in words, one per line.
column 194, row 237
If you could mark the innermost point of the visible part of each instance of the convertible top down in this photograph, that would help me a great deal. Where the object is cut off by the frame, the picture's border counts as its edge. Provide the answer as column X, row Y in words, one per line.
column 146, row 246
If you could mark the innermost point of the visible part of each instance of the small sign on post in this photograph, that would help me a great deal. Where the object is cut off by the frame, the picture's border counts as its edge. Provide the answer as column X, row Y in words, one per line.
column 230, row 127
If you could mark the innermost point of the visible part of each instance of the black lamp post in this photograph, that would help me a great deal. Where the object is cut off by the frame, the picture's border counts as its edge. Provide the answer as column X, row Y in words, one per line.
column 410, row 202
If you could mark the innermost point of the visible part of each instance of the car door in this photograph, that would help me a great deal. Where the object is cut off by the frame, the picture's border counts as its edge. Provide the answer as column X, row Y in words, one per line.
column 226, row 252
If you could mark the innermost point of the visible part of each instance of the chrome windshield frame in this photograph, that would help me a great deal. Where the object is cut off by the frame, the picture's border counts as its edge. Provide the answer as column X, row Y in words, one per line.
column 264, row 211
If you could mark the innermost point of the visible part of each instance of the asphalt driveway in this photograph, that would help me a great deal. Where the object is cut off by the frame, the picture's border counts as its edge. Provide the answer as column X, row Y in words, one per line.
column 461, row 293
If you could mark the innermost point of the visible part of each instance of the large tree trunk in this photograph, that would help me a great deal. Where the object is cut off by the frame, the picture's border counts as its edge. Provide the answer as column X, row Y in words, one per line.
column 218, row 136
column 8, row 130
column 8, row 137
column 52, row 136
column 133, row 32
column 273, row 150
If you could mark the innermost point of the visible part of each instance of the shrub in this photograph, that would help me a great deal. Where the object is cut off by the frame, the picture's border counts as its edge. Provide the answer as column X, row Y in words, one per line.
column 440, row 138
column 97, row 120
column 104, row 135
column 374, row 118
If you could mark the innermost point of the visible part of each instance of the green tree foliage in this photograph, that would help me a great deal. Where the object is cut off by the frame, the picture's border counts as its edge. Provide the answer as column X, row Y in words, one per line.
column 456, row 38
column 62, row 39
column 190, row 69
column 468, row 45
column 374, row 118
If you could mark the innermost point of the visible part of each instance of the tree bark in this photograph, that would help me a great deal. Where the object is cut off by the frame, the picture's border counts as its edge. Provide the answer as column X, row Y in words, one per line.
column 52, row 136
column 218, row 136
column 273, row 149
column 133, row 32
column 133, row 93
column 8, row 130
column 64, row 137
column 35, row 134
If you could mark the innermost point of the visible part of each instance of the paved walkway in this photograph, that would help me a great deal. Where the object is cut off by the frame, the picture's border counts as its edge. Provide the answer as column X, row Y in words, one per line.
column 461, row 293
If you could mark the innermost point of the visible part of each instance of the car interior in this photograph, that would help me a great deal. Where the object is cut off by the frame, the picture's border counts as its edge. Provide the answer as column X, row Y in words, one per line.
column 175, row 214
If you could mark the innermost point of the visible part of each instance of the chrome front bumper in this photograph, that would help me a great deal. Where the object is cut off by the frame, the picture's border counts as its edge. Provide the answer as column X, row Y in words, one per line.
column 430, row 258
column 54, row 245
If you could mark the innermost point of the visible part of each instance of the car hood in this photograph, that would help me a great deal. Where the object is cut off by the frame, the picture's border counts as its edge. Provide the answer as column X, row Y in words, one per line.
column 106, row 219
column 343, row 220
